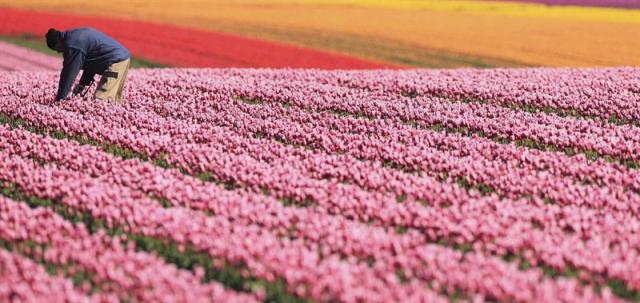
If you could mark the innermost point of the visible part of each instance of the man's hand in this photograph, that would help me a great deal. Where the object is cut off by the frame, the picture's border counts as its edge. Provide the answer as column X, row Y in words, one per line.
column 78, row 89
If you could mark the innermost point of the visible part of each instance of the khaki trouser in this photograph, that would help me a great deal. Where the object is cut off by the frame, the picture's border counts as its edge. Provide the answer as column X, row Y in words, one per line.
column 112, row 81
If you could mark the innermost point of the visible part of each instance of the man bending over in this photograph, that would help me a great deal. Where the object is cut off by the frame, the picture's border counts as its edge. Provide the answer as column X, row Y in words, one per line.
column 95, row 53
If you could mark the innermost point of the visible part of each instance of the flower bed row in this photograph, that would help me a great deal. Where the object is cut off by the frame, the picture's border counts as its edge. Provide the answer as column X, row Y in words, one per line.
column 605, row 94
column 214, row 95
column 25, row 281
column 181, row 46
column 488, row 119
column 15, row 58
column 119, row 272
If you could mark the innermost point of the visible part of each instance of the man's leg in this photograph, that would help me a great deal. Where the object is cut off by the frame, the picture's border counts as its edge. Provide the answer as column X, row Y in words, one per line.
column 122, row 82
column 112, row 82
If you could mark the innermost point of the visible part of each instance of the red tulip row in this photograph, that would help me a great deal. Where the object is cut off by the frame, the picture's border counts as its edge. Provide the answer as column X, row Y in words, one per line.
column 214, row 49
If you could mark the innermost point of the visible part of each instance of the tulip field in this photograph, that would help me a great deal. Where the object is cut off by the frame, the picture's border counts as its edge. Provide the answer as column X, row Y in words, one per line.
column 294, row 185
column 15, row 58
column 352, row 33
column 298, row 151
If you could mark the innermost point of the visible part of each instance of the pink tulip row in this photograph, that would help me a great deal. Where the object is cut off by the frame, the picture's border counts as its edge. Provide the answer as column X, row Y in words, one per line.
column 119, row 272
column 266, row 119
column 217, row 111
column 470, row 228
column 296, row 131
column 599, row 92
column 215, row 88
column 333, row 232
column 266, row 256
column 493, row 120
column 16, row 58
column 209, row 101
column 22, row 280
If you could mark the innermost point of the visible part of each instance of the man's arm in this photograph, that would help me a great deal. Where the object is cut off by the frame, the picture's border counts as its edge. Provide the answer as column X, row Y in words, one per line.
column 87, row 78
column 73, row 61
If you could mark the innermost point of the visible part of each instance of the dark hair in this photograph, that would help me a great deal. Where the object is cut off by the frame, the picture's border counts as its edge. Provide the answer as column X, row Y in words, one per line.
column 53, row 35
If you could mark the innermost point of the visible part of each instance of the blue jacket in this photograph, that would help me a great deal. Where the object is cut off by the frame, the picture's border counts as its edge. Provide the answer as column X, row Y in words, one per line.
column 89, row 50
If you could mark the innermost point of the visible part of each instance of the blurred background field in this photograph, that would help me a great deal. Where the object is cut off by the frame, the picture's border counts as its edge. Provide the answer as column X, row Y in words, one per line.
column 401, row 33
